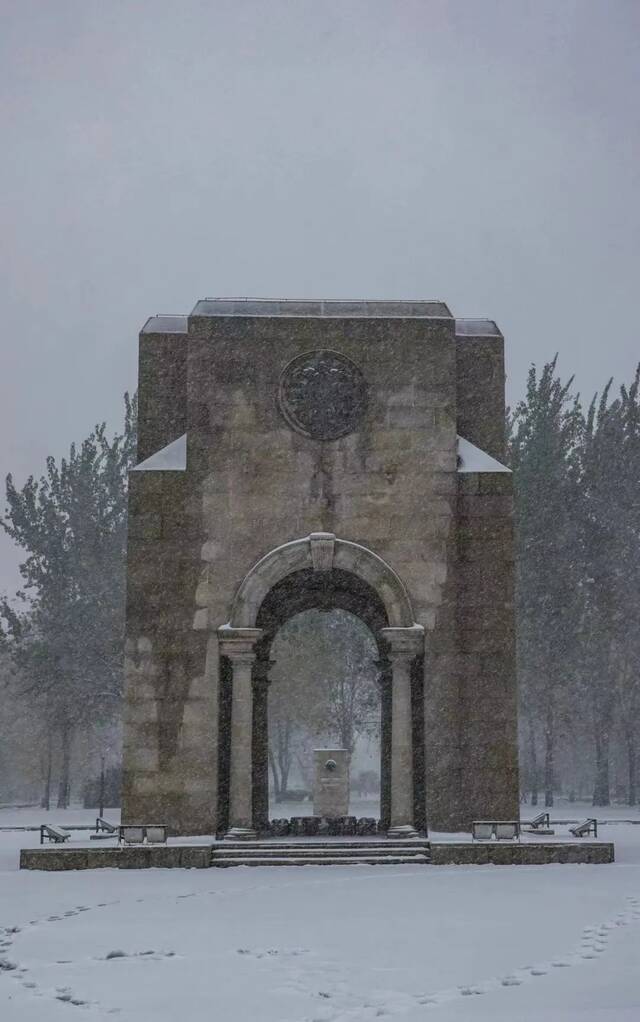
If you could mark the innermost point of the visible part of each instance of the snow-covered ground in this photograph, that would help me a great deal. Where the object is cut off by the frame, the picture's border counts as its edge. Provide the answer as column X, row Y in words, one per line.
column 321, row 944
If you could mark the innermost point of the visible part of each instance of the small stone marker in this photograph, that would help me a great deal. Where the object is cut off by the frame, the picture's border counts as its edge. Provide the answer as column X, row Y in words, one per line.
column 331, row 783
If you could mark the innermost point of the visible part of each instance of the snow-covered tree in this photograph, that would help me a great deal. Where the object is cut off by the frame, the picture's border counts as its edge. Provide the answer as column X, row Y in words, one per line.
column 544, row 432
column 65, row 632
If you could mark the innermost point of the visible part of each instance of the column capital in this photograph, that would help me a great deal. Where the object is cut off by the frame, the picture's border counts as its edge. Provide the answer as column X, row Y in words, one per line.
column 239, row 643
column 404, row 642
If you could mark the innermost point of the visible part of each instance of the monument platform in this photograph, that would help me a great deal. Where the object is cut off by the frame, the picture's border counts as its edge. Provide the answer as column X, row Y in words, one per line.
column 319, row 852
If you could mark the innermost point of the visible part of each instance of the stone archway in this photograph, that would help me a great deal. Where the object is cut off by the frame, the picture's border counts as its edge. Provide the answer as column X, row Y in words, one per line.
column 376, row 591
column 321, row 551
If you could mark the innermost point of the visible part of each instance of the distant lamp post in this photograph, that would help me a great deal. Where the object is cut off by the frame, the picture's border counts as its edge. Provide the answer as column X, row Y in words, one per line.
column 101, row 786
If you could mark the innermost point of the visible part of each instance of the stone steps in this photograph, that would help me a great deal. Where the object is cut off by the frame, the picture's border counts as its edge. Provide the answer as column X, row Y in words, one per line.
column 326, row 860
column 337, row 851
column 314, row 842
column 319, row 853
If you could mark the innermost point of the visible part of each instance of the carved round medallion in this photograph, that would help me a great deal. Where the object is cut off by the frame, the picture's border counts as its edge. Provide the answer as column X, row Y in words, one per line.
column 323, row 394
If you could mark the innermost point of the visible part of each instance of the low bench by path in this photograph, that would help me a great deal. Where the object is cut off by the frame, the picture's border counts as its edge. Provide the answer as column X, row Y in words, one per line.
column 48, row 832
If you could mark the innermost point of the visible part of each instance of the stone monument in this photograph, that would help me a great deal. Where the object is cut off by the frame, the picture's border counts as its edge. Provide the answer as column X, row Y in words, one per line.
column 331, row 783
column 332, row 454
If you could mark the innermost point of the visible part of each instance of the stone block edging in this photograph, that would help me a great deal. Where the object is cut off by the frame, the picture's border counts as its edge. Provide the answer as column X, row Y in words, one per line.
column 132, row 857
column 521, row 854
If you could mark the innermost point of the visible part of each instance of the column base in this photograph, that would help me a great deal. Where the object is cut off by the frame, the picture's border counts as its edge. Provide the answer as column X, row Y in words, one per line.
column 403, row 830
column 240, row 834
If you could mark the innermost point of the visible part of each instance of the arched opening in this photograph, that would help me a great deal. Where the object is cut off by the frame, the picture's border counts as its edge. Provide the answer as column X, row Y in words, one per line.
column 319, row 574
column 323, row 692
column 322, row 592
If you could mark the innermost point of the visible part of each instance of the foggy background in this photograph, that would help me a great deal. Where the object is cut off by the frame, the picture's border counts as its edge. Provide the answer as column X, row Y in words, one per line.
column 155, row 152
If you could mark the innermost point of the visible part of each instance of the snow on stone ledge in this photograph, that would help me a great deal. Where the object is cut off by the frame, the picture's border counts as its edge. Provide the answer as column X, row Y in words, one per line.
column 476, row 328
column 472, row 459
column 166, row 325
column 172, row 458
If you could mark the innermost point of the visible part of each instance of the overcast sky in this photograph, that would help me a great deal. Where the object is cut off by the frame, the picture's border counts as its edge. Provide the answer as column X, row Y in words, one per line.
column 483, row 152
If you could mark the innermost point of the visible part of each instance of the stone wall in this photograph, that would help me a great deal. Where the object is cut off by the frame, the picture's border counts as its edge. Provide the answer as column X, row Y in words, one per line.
column 484, row 595
column 500, row 853
column 486, row 650
column 391, row 486
column 253, row 483
column 170, row 714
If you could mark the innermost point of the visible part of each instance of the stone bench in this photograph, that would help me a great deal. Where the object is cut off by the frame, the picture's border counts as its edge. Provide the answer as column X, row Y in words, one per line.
column 502, row 830
column 142, row 833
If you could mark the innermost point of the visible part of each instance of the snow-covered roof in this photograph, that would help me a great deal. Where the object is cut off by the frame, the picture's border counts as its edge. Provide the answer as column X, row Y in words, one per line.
column 476, row 328
column 172, row 458
column 375, row 308
column 166, row 325
column 472, row 459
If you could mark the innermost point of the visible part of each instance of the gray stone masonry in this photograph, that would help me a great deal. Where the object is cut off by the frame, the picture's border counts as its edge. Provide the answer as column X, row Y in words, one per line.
column 200, row 856
column 398, row 531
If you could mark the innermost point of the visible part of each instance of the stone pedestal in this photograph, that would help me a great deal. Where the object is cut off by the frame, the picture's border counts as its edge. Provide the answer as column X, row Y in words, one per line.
column 331, row 783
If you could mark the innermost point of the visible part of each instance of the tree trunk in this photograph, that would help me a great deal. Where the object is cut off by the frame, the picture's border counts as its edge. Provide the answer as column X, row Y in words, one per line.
column 549, row 750
column 601, row 794
column 277, row 787
column 533, row 763
column 284, row 778
column 46, row 794
column 305, row 773
column 64, row 783
column 284, row 755
column 631, row 762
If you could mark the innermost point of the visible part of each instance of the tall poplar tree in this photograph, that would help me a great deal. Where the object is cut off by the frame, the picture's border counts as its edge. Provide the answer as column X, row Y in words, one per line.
column 65, row 634
column 543, row 434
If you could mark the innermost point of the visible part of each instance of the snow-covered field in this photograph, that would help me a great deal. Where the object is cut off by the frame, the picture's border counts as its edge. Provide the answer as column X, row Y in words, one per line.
column 328, row 944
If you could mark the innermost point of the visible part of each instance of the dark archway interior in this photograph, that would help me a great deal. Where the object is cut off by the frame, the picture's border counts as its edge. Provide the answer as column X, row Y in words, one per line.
column 321, row 590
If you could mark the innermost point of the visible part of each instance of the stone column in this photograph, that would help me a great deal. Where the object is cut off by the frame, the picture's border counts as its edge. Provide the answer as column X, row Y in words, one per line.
column 238, row 644
column 405, row 644
column 260, row 765
column 384, row 681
